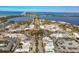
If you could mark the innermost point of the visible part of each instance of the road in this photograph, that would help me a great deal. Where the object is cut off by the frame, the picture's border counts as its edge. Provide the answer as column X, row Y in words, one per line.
column 36, row 44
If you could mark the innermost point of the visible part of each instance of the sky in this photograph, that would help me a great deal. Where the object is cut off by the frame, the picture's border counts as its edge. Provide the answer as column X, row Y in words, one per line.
column 40, row 8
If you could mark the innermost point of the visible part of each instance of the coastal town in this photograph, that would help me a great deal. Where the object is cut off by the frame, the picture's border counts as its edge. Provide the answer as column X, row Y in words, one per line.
column 38, row 36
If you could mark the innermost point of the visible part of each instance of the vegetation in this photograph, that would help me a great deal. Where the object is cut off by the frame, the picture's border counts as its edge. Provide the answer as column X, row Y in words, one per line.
column 47, row 22
column 3, row 19
column 1, row 30
column 36, row 32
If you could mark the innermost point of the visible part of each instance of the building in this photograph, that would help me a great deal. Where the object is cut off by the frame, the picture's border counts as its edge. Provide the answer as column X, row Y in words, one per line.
column 48, row 44
column 52, row 27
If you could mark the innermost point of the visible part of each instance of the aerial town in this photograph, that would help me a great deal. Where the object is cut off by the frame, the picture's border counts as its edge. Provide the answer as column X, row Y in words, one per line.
column 38, row 36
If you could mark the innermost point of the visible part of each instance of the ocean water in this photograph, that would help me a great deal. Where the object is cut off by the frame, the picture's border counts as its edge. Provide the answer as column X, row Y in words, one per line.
column 9, row 13
column 72, row 18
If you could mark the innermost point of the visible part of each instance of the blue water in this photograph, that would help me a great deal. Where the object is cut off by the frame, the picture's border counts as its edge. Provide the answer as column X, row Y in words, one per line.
column 9, row 13
column 21, row 19
column 72, row 18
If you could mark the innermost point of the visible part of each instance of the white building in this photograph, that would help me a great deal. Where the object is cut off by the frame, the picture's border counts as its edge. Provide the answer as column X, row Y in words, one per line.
column 31, row 26
column 76, row 34
column 25, row 47
column 48, row 44
column 51, row 27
